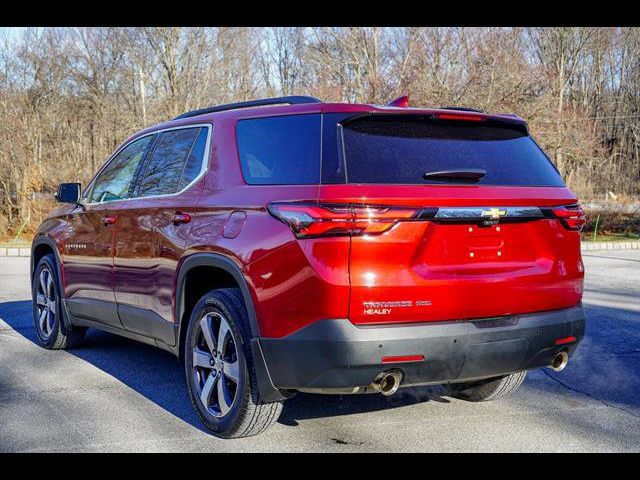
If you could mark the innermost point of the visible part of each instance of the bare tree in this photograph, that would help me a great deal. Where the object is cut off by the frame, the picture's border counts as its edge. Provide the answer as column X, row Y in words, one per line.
column 69, row 96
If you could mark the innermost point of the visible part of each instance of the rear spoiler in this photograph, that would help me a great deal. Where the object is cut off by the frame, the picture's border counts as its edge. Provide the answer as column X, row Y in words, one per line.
column 513, row 121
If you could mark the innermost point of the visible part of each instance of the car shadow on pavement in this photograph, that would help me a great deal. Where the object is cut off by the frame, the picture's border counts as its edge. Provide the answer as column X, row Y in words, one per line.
column 150, row 371
column 606, row 367
column 159, row 376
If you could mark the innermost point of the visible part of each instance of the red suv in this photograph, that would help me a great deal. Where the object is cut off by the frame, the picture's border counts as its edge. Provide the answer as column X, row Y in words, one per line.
column 288, row 245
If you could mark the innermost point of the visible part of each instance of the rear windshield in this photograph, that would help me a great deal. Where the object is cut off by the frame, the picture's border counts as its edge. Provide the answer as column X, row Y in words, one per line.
column 390, row 149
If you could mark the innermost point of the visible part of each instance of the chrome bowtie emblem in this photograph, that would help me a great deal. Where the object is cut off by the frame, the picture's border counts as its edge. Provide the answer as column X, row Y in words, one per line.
column 494, row 213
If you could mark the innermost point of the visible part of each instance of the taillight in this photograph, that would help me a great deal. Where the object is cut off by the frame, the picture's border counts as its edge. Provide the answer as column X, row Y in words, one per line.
column 312, row 220
column 572, row 216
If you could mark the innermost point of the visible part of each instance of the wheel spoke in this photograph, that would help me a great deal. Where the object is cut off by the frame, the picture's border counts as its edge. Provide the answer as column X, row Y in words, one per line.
column 207, row 333
column 207, row 388
column 201, row 359
column 40, row 299
column 50, row 291
column 224, row 400
column 50, row 319
column 223, row 330
column 43, row 281
column 232, row 370
column 42, row 319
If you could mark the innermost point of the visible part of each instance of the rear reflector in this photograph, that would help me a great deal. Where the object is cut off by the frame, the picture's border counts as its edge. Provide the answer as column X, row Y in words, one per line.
column 572, row 216
column 313, row 220
column 565, row 340
column 403, row 359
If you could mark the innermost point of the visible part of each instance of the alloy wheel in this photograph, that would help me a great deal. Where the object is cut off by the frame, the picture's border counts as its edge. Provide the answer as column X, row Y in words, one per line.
column 46, row 302
column 216, row 370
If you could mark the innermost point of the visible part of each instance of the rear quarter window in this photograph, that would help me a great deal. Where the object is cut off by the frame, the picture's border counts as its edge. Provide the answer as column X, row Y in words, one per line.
column 166, row 167
column 281, row 150
column 401, row 149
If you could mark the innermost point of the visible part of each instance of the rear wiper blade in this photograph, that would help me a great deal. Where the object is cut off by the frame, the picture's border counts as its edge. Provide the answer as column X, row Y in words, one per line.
column 457, row 175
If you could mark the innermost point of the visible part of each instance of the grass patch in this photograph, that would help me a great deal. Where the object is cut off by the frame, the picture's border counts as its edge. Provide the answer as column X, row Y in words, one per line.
column 613, row 222
column 611, row 237
column 15, row 243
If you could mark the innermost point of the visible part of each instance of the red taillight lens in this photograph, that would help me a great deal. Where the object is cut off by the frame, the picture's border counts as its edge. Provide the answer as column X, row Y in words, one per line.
column 311, row 220
column 571, row 216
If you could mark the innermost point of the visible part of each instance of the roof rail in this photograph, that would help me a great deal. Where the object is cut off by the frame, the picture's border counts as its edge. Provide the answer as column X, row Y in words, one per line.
column 290, row 100
column 463, row 109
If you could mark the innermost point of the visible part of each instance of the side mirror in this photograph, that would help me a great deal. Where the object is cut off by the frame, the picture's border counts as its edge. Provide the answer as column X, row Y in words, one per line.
column 68, row 193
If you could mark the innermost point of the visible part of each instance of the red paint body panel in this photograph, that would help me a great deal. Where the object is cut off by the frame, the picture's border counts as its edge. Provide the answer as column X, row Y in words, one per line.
column 86, row 249
column 515, row 268
column 148, row 248
column 295, row 282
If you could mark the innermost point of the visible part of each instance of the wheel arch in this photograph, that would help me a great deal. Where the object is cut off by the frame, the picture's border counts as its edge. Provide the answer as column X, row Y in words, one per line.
column 228, row 268
column 217, row 262
column 41, row 247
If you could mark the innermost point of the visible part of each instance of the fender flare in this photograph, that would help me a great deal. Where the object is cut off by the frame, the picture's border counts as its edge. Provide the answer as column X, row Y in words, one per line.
column 267, row 392
column 215, row 260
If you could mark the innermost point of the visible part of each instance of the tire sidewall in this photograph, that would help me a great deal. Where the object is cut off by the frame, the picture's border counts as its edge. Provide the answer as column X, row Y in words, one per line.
column 49, row 263
column 211, row 303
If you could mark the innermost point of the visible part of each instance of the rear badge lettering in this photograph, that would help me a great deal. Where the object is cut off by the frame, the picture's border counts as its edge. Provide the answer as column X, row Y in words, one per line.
column 385, row 308
column 377, row 311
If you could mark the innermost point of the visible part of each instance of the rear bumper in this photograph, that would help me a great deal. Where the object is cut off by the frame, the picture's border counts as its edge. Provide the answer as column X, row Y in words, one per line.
column 337, row 354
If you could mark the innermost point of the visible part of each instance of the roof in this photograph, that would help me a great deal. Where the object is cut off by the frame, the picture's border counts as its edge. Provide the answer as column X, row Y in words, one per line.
column 302, row 104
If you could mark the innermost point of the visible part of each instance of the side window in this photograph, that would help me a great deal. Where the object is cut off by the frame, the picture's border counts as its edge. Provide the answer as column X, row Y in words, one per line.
column 115, row 180
column 280, row 150
column 333, row 170
column 194, row 163
column 164, row 169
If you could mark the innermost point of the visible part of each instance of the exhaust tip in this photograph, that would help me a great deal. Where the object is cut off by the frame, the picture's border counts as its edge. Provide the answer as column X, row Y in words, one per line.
column 387, row 383
column 559, row 361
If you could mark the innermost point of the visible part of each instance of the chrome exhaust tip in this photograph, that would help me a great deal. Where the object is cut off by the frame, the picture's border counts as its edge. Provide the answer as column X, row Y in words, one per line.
column 559, row 361
column 387, row 383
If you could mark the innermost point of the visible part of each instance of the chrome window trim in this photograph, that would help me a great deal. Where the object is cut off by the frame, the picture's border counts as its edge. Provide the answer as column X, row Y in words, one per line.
column 203, row 167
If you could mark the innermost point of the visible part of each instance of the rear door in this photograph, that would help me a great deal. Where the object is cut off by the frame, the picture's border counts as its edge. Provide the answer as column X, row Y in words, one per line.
column 463, row 214
column 152, row 229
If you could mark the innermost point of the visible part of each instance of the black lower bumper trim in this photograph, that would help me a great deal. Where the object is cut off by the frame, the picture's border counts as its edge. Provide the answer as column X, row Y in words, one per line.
column 339, row 354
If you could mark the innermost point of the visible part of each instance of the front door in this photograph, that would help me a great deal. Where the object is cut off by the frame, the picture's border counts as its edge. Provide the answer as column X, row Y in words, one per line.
column 89, row 246
column 87, row 256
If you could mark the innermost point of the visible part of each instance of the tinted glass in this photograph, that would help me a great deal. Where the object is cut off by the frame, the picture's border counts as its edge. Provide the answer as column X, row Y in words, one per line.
column 280, row 150
column 194, row 163
column 385, row 149
column 164, row 169
column 332, row 162
column 114, row 183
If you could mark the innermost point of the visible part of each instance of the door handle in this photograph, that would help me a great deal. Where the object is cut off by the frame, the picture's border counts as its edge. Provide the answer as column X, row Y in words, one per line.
column 180, row 217
column 108, row 220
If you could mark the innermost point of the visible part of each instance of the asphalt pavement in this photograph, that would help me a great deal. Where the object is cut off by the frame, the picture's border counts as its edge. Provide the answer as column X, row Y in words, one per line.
column 114, row 394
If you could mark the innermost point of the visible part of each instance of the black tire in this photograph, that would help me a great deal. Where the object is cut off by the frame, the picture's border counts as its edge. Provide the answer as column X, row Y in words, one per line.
column 247, row 415
column 55, row 334
column 487, row 390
